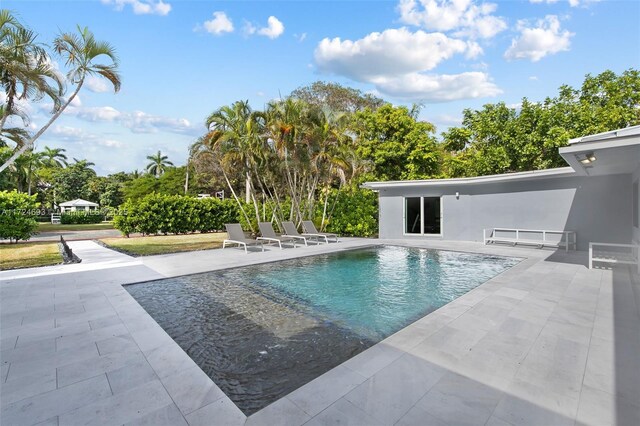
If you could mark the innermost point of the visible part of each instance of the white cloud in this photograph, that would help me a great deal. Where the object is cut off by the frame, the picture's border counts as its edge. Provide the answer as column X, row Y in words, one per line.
column 136, row 121
column 142, row 7
column 396, row 62
column 300, row 37
column 220, row 24
column 274, row 28
column 95, row 114
column 141, row 122
column 248, row 28
column 533, row 78
column 391, row 52
column 98, row 85
column 464, row 17
column 572, row 3
column 419, row 87
column 534, row 43
column 111, row 143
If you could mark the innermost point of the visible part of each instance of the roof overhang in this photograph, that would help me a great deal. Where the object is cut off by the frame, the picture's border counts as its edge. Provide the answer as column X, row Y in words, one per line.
column 615, row 152
column 480, row 180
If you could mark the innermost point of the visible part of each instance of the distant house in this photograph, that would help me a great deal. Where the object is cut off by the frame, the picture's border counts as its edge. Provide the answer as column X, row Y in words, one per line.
column 78, row 205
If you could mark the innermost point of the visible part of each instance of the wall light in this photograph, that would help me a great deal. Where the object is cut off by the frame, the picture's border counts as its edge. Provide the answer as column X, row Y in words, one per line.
column 588, row 158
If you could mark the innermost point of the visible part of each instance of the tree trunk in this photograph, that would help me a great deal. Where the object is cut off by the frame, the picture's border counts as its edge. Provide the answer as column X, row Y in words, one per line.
column 244, row 213
column 247, row 189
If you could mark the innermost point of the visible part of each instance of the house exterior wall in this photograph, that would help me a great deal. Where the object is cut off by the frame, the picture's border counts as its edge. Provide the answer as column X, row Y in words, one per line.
column 598, row 208
column 636, row 230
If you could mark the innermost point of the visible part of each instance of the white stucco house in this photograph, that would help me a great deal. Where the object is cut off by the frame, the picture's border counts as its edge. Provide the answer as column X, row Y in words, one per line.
column 78, row 205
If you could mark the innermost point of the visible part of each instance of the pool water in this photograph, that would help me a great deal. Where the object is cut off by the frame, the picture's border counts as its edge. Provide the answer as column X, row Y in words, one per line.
column 262, row 331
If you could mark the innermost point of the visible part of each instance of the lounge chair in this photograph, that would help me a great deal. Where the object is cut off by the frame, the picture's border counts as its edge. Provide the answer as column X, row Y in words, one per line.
column 311, row 231
column 291, row 231
column 236, row 236
column 268, row 234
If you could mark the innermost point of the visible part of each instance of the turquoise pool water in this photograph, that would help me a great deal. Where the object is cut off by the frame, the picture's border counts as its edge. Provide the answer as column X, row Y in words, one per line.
column 262, row 331
column 377, row 291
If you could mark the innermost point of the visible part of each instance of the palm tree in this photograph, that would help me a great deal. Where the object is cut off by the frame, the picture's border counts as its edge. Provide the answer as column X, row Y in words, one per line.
column 80, row 52
column 54, row 157
column 25, row 69
column 158, row 164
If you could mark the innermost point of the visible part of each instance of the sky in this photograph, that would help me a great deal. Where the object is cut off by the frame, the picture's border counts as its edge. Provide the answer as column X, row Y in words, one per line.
column 180, row 60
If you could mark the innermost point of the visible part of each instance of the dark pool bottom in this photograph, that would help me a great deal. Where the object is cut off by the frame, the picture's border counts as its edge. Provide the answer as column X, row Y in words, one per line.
column 262, row 331
column 255, row 348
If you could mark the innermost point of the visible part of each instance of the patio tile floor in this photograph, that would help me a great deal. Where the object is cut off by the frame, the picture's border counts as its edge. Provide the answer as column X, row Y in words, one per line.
column 547, row 342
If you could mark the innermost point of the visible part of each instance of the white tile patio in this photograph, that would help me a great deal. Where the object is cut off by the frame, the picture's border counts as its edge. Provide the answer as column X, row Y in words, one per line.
column 547, row 342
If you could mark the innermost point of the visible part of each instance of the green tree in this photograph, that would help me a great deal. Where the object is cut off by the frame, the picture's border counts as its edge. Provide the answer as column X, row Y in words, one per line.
column 16, row 212
column 499, row 139
column 73, row 182
column 170, row 183
column 80, row 53
column 54, row 157
column 158, row 164
column 26, row 71
column 397, row 145
column 335, row 97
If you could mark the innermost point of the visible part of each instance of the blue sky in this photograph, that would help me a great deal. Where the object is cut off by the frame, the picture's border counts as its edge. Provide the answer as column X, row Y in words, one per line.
column 180, row 60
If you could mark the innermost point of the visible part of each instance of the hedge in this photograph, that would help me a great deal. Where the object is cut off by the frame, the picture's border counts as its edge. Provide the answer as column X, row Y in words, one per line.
column 80, row 218
column 17, row 212
column 355, row 213
column 174, row 214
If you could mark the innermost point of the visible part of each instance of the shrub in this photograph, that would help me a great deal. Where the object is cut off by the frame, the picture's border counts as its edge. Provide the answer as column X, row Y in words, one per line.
column 81, row 218
column 355, row 213
column 17, row 212
column 174, row 214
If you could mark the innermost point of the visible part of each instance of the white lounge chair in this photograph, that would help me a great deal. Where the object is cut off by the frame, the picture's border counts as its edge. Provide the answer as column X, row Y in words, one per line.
column 268, row 234
column 236, row 236
column 290, row 230
column 311, row 231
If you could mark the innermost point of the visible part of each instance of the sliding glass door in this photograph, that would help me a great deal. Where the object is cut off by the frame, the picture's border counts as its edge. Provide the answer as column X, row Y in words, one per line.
column 422, row 216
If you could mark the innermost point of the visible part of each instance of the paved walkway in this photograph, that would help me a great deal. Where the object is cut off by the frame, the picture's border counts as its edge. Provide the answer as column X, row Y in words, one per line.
column 94, row 258
column 548, row 342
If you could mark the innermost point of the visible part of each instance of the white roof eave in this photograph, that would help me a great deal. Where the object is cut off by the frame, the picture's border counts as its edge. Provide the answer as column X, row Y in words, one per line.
column 520, row 176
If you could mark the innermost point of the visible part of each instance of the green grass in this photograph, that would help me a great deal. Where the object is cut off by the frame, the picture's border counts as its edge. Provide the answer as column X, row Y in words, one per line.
column 29, row 255
column 48, row 227
column 163, row 244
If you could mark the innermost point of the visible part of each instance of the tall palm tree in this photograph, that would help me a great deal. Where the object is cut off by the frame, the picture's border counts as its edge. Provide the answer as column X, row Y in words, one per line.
column 54, row 157
column 25, row 69
column 158, row 164
column 80, row 52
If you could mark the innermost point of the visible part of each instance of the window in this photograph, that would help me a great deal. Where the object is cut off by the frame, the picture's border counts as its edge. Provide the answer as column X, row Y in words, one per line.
column 635, row 209
column 422, row 216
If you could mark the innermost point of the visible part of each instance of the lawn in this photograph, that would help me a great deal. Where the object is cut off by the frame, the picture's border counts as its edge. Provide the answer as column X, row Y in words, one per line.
column 28, row 255
column 162, row 244
column 48, row 227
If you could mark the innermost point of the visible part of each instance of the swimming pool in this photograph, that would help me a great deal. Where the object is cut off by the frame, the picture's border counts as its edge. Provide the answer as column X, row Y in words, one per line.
column 262, row 331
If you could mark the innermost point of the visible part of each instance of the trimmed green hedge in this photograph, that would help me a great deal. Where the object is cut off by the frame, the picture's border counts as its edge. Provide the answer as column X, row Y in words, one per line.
column 81, row 218
column 17, row 213
column 174, row 214
column 355, row 213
